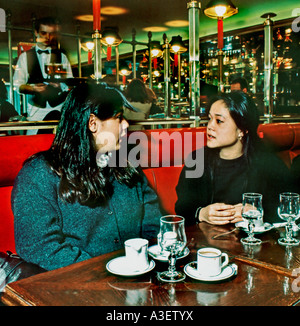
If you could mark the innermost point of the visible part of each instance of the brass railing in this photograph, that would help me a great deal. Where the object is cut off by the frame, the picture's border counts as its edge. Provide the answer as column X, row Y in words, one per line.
column 28, row 125
column 165, row 122
column 153, row 122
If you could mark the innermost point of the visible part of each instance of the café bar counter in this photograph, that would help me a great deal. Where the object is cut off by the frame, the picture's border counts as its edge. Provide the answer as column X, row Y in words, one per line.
column 267, row 275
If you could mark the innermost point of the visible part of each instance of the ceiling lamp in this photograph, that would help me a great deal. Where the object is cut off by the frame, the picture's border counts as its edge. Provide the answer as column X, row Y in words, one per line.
column 156, row 73
column 156, row 52
column 124, row 71
column 155, row 48
column 177, row 47
column 110, row 37
column 88, row 46
column 144, row 62
column 220, row 9
column 144, row 74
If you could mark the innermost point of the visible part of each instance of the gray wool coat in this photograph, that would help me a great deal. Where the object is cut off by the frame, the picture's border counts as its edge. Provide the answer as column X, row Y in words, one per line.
column 52, row 233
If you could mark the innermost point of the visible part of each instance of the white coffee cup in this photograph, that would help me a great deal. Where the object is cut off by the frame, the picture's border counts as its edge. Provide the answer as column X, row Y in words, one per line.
column 209, row 261
column 136, row 252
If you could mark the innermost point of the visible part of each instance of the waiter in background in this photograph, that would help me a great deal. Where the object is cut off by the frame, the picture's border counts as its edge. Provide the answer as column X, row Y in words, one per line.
column 45, row 98
column 239, row 84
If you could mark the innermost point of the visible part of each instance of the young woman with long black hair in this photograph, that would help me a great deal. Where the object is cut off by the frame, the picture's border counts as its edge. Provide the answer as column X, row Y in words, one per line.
column 235, row 162
column 70, row 203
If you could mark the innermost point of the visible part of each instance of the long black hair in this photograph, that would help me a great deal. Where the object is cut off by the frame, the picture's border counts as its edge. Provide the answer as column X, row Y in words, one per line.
column 244, row 113
column 73, row 154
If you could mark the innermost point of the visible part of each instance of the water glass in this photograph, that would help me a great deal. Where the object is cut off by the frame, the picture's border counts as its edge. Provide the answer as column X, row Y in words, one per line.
column 173, row 241
column 252, row 210
column 288, row 210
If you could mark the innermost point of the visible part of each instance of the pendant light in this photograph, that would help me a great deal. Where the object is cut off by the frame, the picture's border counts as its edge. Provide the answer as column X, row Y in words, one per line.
column 110, row 37
column 220, row 9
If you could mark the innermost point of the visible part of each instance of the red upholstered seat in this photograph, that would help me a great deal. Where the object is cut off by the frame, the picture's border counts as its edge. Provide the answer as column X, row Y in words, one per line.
column 280, row 136
column 7, row 239
column 14, row 150
column 166, row 147
column 166, row 181
column 163, row 153
column 162, row 156
column 295, row 149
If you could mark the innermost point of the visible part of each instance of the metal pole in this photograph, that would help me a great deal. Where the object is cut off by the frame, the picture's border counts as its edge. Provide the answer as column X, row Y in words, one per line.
column 79, row 50
column 97, row 53
column 179, row 76
column 268, row 65
column 150, row 59
column 134, row 52
column 117, row 65
column 11, row 81
column 220, row 70
column 167, row 79
column 193, row 11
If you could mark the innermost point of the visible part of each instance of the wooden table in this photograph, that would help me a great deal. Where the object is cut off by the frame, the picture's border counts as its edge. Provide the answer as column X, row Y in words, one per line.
column 267, row 276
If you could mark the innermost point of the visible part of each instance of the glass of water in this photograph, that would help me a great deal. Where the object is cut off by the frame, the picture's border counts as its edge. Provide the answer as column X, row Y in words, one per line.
column 288, row 210
column 173, row 241
column 252, row 210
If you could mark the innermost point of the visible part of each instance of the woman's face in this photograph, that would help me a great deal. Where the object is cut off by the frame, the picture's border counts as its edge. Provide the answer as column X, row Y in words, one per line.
column 223, row 133
column 107, row 133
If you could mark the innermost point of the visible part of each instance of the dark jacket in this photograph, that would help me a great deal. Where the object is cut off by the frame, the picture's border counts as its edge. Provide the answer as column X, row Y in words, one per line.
column 265, row 174
column 53, row 233
column 53, row 95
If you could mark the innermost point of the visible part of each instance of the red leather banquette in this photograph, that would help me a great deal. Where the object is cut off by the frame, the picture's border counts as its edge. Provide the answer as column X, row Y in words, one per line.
column 161, row 170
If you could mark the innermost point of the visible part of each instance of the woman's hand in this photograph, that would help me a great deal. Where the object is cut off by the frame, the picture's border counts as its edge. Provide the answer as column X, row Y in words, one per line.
column 220, row 213
column 238, row 213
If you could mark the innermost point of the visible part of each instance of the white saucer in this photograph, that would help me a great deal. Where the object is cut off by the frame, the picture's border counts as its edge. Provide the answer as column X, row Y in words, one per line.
column 243, row 225
column 119, row 266
column 155, row 252
column 227, row 272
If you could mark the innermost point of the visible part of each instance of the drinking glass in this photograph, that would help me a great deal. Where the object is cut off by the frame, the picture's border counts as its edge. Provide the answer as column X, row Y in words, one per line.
column 288, row 210
column 172, row 240
column 251, row 210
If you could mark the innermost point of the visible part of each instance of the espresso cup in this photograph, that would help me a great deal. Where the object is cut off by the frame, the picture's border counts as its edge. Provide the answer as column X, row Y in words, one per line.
column 136, row 252
column 209, row 261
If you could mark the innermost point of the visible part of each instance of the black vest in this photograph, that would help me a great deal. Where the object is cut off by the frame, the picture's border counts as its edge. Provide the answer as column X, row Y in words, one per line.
column 33, row 65
column 52, row 95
